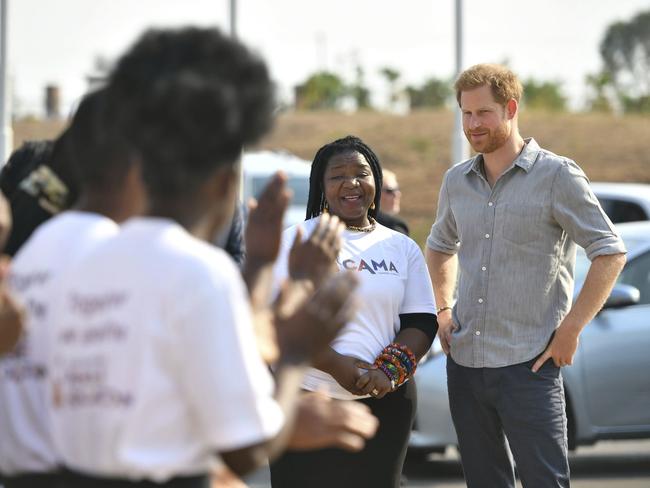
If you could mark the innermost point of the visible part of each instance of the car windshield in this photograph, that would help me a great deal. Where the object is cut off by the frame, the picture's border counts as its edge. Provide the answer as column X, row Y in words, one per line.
column 299, row 186
column 582, row 262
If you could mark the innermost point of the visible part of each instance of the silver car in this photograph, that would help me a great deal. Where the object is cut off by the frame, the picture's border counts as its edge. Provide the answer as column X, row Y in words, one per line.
column 607, row 387
column 258, row 168
column 624, row 202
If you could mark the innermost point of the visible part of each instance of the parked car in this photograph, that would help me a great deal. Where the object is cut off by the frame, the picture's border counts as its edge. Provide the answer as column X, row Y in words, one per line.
column 607, row 387
column 624, row 202
column 258, row 167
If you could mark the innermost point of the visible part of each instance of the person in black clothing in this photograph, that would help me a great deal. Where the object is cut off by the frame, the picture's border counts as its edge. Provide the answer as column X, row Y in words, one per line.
column 39, row 181
column 392, row 222
column 231, row 239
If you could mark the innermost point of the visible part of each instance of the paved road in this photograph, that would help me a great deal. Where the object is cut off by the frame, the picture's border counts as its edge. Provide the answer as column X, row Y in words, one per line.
column 620, row 464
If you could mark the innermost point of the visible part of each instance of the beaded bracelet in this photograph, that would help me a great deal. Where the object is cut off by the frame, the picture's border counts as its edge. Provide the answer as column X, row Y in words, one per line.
column 404, row 354
column 397, row 370
column 412, row 363
column 386, row 371
column 404, row 349
column 390, row 371
column 397, row 362
column 403, row 357
column 395, row 365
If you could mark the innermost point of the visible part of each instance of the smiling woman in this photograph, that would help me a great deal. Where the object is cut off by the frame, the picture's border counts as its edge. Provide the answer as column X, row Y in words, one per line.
column 349, row 188
column 373, row 359
column 345, row 170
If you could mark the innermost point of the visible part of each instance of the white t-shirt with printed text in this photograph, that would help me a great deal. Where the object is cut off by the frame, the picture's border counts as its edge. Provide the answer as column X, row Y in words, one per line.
column 154, row 363
column 394, row 280
column 25, row 437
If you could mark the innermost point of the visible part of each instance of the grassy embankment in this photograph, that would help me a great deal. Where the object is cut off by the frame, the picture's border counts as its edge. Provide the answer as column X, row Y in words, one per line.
column 417, row 146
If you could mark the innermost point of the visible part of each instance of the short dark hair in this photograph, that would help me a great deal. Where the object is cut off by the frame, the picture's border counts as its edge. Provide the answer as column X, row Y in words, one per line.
column 316, row 200
column 189, row 100
column 95, row 146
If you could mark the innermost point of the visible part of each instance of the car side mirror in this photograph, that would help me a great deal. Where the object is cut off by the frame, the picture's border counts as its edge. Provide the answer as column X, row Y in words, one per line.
column 622, row 296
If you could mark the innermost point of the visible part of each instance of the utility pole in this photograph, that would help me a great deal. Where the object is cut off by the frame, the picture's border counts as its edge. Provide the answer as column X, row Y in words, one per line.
column 233, row 19
column 460, row 149
column 6, row 131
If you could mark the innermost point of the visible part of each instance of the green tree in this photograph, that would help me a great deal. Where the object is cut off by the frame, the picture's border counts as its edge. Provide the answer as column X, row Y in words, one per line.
column 600, row 98
column 321, row 91
column 544, row 95
column 639, row 105
column 625, row 50
column 434, row 93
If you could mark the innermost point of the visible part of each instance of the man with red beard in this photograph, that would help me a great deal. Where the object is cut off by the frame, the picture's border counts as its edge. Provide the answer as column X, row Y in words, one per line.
column 509, row 220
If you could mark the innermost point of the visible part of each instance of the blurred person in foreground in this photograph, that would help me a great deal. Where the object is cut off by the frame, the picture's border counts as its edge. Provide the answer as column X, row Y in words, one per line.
column 389, row 206
column 158, row 301
column 110, row 192
column 372, row 361
column 510, row 219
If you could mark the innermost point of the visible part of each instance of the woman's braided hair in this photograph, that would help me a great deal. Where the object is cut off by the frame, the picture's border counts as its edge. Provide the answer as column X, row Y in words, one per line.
column 316, row 201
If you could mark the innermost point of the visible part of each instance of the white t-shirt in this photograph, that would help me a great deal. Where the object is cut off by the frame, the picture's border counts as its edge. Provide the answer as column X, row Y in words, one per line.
column 394, row 280
column 25, row 440
column 154, row 362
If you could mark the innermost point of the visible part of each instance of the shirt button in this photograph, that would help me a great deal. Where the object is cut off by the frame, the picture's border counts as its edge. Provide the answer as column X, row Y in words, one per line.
column 480, row 300
column 483, row 268
column 490, row 204
column 478, row 332
column 487, row 236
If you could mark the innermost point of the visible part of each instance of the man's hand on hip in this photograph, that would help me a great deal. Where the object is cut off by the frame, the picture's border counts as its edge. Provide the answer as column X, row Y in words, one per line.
column 562, row 348
column 446, row 327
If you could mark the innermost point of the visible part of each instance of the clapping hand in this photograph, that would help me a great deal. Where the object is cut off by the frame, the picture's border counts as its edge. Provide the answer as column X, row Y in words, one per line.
column 314, row 323
column 323, row 422
column 315, row 257
column 264, row 227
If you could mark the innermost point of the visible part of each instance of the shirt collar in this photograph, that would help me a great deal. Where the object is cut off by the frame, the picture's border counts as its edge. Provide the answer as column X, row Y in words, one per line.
column 528, row 155
column 525, row 160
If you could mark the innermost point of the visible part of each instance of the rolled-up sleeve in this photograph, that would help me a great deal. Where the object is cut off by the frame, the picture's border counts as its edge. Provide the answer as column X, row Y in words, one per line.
column 444, row 234
column 577, row 211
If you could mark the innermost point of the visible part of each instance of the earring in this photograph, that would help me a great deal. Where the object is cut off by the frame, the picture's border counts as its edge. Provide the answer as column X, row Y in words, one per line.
column 326, row 207
column 372, row 206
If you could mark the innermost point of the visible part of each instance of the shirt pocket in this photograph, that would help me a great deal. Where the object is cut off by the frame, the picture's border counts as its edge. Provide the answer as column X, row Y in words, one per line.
column 521, row 222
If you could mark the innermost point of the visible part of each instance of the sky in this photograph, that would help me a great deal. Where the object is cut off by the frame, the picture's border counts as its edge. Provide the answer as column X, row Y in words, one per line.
column 57, row 42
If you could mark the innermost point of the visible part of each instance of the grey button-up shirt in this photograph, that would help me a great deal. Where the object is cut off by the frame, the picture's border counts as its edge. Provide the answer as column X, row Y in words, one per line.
column 516, row 246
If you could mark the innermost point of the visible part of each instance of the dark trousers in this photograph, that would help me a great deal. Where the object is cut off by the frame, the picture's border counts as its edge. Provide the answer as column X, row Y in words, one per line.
column 490, row 405
column 378, row 465
column 77, row 480
column 44, row 480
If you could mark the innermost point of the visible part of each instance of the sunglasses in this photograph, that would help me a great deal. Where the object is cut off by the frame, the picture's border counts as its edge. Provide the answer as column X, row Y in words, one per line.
column 391, row 191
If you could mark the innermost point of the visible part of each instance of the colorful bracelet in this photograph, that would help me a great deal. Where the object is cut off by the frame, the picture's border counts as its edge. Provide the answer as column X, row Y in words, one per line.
column 397, row 362
column 390, row 376
column 393, row 361
column 412, row 362
column 403, row 357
